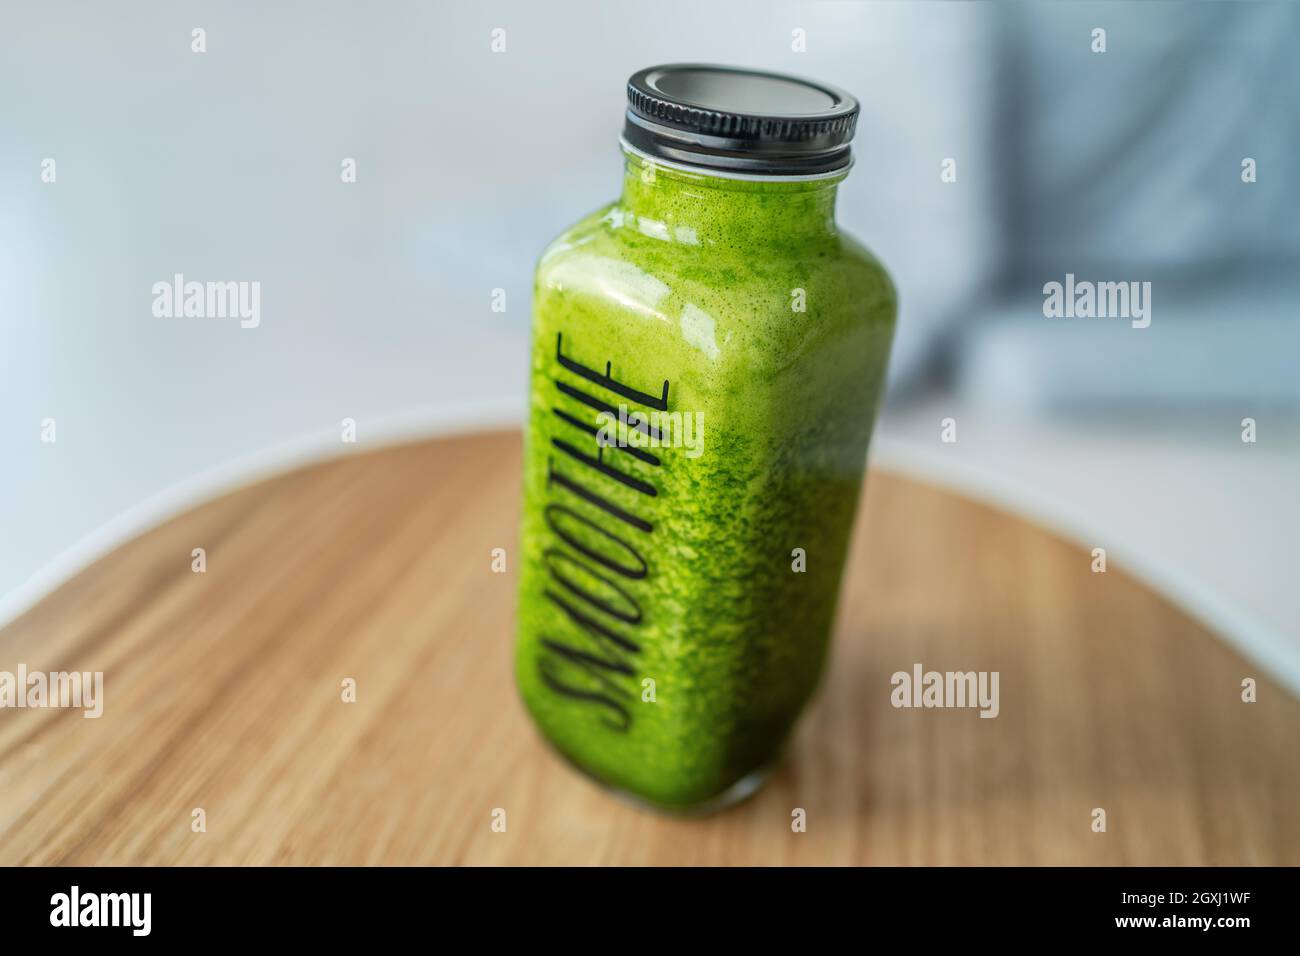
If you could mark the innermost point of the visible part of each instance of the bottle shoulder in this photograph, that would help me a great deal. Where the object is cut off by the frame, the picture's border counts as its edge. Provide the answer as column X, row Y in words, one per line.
column 871, row 273
column 581, row 233
column 611, row 244
column 726, row 308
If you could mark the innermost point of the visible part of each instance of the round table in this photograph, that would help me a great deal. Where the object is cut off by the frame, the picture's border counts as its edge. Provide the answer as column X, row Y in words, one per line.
column 224, row 692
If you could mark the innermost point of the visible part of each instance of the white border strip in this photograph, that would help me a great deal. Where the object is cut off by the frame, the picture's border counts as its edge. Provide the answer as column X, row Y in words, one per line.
column 1251, row 636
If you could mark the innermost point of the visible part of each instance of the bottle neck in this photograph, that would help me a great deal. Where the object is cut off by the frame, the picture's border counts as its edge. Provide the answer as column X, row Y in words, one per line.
column 674, row 205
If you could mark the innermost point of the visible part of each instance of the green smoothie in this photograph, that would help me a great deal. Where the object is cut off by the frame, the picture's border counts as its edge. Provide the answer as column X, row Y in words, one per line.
column 708, row 356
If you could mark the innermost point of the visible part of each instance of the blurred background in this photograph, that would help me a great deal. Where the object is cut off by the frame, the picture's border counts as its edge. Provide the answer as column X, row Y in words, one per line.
column 1122, row 165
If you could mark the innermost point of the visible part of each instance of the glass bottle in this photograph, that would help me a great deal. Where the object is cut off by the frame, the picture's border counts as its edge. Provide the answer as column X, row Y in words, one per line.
column 708, row 356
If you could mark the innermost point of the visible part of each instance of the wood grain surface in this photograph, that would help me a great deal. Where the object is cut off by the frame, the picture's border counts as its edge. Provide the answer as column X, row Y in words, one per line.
column 222, row 691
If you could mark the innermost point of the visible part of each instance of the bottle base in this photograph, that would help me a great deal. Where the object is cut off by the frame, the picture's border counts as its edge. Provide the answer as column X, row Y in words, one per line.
column 737, row 793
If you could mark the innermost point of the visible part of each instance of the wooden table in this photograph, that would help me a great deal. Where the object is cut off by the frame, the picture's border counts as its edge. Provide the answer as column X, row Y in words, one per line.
column 223, row 692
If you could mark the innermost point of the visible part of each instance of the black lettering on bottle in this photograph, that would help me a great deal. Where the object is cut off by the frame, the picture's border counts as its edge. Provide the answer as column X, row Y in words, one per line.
column 594, row 604
column 588, row 661
column 552, row 556
column 635, row 572
column 586, row 494
column 598, row 463
column 604, row 635
column 639, row 422
column 555, row 684
column 592, row 430
column 607, row 380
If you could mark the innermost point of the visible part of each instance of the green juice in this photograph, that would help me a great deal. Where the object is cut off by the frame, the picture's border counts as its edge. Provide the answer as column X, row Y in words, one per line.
column 708, row 355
